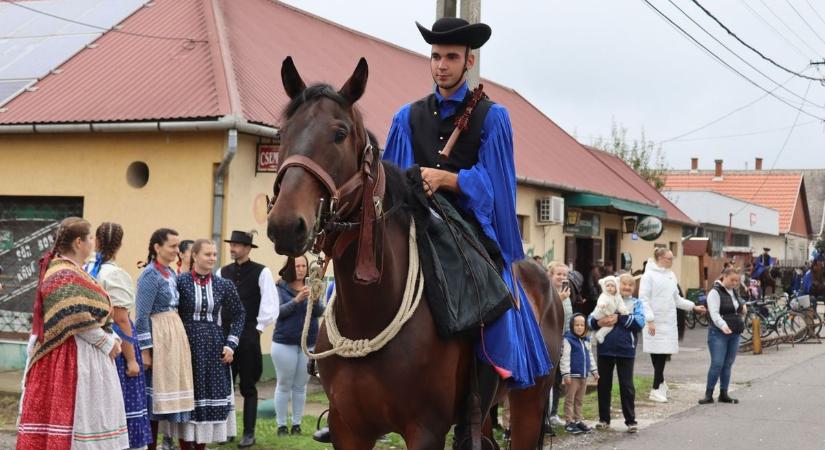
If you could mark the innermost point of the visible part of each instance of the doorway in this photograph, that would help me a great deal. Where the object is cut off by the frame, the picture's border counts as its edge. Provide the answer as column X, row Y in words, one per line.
column 611, row 248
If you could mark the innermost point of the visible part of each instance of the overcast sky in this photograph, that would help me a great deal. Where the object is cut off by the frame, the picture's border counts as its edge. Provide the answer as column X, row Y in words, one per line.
column 585, row 63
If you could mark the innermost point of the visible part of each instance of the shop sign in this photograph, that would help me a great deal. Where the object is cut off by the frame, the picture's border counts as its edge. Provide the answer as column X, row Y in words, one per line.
column 267, row 160
column 650, row 228
column 585, row 224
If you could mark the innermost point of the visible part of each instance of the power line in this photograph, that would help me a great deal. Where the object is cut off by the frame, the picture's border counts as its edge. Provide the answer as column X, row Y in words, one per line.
column 782, row 149
column 113, row 29
column 815, row 12
column 750, row 47
column 723, row 116
column 788, row 27
column 745, row 61
column 806, row 22
column 752, row 133
column 715, row 56
column 768, row 24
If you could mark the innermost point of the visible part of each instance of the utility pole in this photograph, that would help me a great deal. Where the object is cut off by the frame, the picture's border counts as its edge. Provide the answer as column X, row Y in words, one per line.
column 471, row 12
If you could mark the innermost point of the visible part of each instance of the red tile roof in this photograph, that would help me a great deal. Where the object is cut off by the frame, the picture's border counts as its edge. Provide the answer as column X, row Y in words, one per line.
column 780, row 191
column 236, row 71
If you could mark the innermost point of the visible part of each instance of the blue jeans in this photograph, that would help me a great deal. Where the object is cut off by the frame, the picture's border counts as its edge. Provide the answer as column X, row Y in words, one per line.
column 292, row 377
column 723, row 348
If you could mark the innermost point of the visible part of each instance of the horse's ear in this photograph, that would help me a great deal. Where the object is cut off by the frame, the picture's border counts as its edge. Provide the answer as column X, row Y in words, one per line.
column 356, row 85
column 293, row 84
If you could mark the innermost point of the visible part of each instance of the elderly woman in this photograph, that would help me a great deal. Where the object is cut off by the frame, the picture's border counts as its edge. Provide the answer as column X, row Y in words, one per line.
column 660, row 297
column 618, row 350
column 726, row 314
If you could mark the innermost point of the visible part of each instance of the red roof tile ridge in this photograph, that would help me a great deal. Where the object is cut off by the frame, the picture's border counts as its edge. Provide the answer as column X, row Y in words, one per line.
column 226, row 85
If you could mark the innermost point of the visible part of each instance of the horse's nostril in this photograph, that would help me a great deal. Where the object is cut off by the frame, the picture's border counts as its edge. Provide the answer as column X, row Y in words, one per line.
column 300, row 227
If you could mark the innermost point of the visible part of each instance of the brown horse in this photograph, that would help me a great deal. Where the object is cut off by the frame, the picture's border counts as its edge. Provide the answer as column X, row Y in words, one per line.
column 330, row 177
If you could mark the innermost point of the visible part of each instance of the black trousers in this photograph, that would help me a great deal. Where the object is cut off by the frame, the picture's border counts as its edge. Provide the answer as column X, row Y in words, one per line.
column 627, row 391
column 247, row 363
column 659, row 361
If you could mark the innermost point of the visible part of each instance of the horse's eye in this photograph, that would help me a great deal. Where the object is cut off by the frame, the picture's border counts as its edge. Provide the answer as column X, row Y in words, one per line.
column 340, row 135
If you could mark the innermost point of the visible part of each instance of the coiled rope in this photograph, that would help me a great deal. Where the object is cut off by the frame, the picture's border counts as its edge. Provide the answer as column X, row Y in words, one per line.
column 358, row 348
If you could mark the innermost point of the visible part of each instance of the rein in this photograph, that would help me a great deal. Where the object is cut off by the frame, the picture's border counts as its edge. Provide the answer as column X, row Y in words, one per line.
column 358, row 348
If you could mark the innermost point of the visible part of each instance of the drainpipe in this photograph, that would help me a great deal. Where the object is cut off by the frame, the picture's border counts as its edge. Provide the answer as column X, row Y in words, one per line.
column 218, row 196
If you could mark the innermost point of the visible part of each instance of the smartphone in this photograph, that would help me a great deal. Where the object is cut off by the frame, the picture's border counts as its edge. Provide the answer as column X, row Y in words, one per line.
column 565, row 284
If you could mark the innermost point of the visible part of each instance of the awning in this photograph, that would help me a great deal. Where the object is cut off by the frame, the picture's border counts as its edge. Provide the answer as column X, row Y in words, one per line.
column 580, row 200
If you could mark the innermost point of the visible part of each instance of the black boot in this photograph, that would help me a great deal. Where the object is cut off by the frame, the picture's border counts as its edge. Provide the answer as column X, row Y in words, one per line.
column 487, row 387
column 250, row 415
column 723, row 397
column 323, row 436
column 708, row 398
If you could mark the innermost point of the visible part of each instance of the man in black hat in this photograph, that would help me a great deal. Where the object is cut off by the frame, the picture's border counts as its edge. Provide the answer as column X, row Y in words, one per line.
column 478, row 177
column 256, row 288
column 765, row 257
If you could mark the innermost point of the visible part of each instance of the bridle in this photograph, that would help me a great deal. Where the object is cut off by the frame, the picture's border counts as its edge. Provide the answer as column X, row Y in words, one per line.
column 362, row 193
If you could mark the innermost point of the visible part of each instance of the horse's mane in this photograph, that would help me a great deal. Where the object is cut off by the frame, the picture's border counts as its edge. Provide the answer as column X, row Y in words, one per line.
column 397, row 186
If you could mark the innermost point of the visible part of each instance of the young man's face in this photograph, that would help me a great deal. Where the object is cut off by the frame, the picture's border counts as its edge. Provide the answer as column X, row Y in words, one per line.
column 447, row 64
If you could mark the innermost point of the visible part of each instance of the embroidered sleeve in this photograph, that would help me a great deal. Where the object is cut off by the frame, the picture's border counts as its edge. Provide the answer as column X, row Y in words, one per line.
column 236, row 310
column 147, row 289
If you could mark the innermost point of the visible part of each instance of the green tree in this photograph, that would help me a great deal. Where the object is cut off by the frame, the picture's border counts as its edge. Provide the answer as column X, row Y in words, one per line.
column 643, row 155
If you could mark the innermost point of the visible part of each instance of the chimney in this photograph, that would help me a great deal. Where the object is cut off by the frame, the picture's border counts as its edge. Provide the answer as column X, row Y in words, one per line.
column 717, row 176
column 758, row 164
column 694, row 165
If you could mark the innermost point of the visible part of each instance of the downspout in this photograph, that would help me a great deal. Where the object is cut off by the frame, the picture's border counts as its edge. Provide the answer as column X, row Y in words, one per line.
column 218, row 196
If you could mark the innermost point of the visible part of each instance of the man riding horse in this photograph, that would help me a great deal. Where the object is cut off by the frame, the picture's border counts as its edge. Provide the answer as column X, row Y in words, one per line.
column 477, row 176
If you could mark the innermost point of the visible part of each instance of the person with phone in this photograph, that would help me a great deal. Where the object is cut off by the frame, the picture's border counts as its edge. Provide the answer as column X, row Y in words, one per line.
column 559, row 273
column 289, row 360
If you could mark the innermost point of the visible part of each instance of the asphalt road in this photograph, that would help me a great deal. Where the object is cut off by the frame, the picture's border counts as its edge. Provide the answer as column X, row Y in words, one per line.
column 784, row 408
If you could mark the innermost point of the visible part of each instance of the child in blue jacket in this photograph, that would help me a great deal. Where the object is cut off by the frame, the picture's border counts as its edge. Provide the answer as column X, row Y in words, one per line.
column 576, row 365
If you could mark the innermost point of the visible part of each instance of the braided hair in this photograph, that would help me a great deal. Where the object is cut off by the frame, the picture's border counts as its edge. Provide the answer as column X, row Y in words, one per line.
column 68, row 231
column 108, row 239
column 160, row 236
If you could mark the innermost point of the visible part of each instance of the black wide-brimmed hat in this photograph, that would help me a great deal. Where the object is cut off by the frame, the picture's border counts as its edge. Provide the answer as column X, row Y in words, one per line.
column 241, row 237
column 455, row 31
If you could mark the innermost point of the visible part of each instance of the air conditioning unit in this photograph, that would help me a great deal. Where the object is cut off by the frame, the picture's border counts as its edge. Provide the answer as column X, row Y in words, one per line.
column 550, row 210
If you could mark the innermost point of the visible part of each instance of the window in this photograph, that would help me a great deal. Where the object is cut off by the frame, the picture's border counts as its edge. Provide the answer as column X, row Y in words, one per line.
column 741, row 240
column 27, row 226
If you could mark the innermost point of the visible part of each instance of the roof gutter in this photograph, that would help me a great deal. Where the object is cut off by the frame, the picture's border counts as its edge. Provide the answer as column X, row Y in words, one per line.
column 218, row 195
column 225, row 123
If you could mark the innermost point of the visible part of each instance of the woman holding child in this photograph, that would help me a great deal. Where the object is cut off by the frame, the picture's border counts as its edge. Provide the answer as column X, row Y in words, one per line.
column 618, row 349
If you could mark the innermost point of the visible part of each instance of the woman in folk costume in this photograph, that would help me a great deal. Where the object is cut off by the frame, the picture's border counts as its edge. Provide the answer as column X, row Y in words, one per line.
column 118, row 284
column 202, row 298
column 161, row 336
column 72, row 397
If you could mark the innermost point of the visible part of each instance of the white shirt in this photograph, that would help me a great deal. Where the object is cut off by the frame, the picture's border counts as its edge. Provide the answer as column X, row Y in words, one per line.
column 268, row 311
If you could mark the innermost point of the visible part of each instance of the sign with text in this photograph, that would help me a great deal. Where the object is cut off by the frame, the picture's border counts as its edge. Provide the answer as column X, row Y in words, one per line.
column 587, row 224
column 267, row 160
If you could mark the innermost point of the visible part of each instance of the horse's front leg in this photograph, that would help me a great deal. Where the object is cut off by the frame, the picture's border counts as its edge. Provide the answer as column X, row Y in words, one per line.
column 344, row 437
column 526, row 413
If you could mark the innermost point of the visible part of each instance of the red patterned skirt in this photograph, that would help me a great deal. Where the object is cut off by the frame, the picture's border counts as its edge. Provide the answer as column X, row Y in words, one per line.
column 48, row 404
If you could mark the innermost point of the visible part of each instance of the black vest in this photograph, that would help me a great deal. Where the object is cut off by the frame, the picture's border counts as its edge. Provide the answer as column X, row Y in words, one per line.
column 430, row 133
column 730, row 314
column 246, row 277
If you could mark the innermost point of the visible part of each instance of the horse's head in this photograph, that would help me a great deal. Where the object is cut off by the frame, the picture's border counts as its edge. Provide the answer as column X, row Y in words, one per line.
column 323, row 143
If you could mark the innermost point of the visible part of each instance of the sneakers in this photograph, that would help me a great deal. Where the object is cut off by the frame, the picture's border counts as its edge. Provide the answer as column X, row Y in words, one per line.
column 664, row 387
column 296, row 429
column 602, row 426
column 584, row 428
column 283, row 431
column 556, row 421
column 658, row 395
column 572, row 428
column 633, row 428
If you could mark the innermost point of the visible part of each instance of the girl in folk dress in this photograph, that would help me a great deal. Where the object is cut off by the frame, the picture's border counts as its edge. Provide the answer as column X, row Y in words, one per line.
column 72, row 398
column 118, row 284
column 202, row 298
column 162, row 338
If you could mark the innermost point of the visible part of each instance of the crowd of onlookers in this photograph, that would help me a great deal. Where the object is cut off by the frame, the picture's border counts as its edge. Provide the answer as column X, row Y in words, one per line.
column 95, row 379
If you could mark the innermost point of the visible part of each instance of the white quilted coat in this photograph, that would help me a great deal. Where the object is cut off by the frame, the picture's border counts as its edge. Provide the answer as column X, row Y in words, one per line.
column 660, row 298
